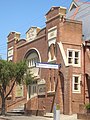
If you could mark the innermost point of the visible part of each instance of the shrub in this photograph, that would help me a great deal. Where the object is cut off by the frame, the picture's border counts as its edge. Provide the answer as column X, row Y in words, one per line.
column 87, row 106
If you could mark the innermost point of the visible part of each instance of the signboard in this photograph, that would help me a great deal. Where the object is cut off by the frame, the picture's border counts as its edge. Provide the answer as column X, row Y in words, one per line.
column 47, row 65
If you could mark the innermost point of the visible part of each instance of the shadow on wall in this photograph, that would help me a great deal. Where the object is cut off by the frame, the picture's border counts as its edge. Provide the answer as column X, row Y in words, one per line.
column 62, row 82
column 62, row 89
column 88, row 85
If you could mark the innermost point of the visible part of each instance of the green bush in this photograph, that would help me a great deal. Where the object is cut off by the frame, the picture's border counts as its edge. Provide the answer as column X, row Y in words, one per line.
column 87, row 106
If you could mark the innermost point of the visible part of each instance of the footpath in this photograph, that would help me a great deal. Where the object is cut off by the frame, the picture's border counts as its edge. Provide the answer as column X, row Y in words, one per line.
column 22, row 117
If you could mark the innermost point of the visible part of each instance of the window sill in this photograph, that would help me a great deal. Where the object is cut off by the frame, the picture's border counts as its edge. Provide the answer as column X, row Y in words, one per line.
column 32, row 96
column 76, row 92
column 74, row 65
column 52, row 61
column 31, row 66
column 41, row 94
column 50, row 92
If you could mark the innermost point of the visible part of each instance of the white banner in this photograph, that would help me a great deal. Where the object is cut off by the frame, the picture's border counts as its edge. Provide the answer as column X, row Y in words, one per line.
column 47, row 65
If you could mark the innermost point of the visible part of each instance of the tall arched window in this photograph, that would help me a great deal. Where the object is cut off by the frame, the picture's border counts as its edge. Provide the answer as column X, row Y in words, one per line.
column 32, row 57
column 52, row 52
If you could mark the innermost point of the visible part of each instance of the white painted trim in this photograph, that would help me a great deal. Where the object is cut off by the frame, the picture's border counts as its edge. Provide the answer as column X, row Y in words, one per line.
column 63, row 53
column 36, row 51
column 49, row 59
column 73, row 3
column 10, row 48
column 41, row 82
column 52, row 41
column 74, row 50
column 63, row 7
column 79, row 90
column 52, row 34
column 52, row 28
column 27, row 93
column 10, row 58
column 10, row 52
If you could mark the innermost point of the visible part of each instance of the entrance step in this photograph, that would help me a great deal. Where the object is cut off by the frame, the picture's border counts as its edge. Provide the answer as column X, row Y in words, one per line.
column 18, row 110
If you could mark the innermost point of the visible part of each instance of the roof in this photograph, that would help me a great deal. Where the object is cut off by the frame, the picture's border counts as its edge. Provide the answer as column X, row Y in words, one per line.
column 13, row 33
column 53, row 8
column 80, row 10
column 31, row 28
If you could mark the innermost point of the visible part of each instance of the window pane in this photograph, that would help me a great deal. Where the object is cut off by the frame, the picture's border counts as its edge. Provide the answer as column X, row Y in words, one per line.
column 75, row 86
column 70, row 53
column 76, row 54
column 74, row 57
column 76, row 61
column 76, row 80
column 69, row 60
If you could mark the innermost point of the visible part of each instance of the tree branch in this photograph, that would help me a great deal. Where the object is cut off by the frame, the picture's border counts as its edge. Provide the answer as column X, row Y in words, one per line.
column 10, row 89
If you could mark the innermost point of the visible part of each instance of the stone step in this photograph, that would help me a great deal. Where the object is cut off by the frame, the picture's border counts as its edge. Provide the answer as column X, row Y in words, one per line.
column 16, row 112
column 19, row 110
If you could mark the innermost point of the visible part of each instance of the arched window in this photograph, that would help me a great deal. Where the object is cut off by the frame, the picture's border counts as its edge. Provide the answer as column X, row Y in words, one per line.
column 52, row 52
column 32, row 57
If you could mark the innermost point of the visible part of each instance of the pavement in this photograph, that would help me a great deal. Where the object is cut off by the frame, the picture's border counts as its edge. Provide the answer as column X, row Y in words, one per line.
column 22, row 117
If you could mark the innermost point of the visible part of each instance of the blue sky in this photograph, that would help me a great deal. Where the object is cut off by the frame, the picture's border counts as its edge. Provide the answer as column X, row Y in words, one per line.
column 19, row 15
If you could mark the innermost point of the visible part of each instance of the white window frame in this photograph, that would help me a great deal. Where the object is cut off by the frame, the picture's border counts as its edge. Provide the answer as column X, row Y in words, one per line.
column 54, row 83
column 73, row 83
column 73, row 57
column 31, row 62
column 52, row 33
column 10, row 53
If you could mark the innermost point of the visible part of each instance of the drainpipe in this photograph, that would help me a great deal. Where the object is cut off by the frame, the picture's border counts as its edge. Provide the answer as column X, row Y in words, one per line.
column 84, row 50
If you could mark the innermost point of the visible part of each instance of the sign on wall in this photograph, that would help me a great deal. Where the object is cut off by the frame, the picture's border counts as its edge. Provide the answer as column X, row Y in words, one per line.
column 47, row 65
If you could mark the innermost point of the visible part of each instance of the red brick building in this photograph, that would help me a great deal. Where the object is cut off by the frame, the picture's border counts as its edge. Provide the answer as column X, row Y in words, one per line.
column 60, row 42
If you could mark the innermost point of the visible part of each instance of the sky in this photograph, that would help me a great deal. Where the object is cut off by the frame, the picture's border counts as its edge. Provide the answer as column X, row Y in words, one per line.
column 20, row 15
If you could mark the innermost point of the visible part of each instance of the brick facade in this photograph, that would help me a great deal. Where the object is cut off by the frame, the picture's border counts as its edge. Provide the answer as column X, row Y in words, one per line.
column 51, row 45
